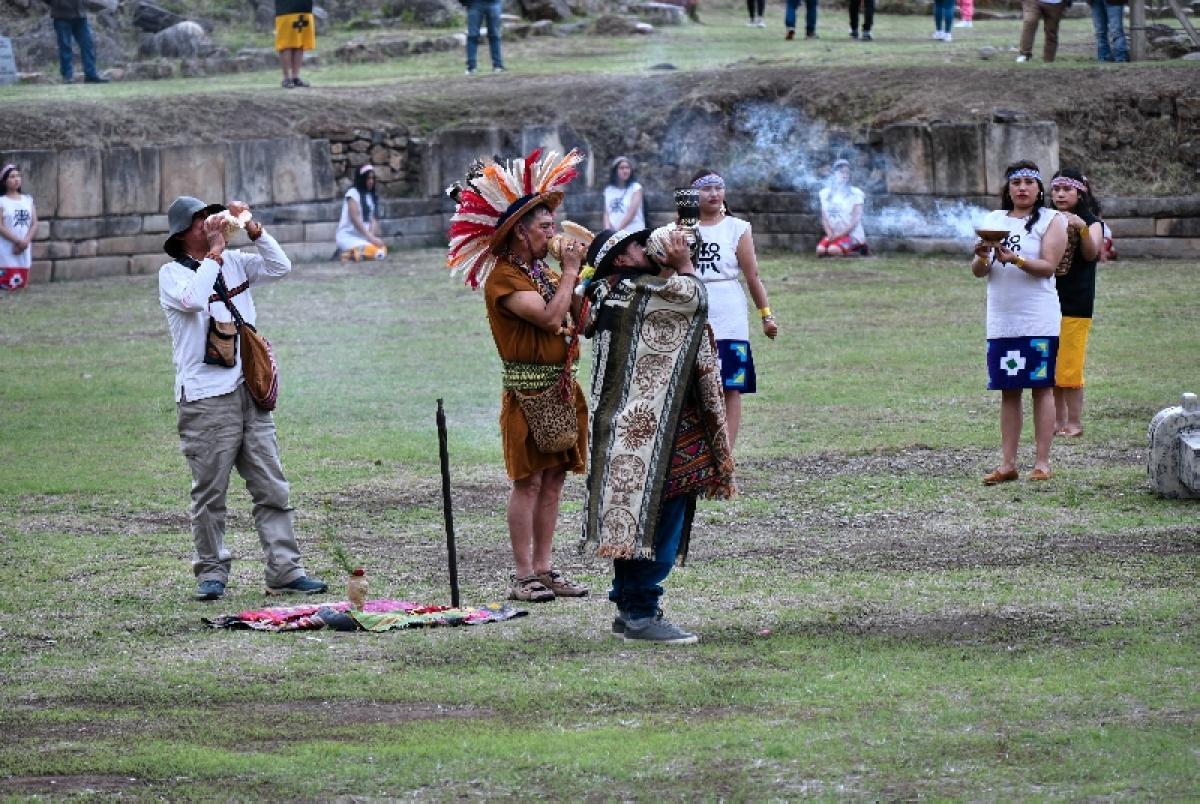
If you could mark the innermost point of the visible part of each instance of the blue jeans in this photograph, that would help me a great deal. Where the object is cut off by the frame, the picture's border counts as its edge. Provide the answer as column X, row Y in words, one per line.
column 635, row 586
column 77, row 29
column 810, row 16
column 1109, row 26
column 476, row 12
column 943, row 15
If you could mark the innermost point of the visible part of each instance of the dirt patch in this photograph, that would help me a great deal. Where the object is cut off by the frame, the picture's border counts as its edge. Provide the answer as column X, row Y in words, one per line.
column 78, row 784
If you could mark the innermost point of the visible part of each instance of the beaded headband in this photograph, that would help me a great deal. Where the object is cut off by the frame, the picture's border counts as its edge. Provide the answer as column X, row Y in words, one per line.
column 709, row 180
column 1067, row 181
column 9, row 168
column 367, row 168
column 1024, row 173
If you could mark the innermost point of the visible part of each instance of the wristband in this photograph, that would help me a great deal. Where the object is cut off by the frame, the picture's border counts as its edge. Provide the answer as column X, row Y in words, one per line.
column 1020, row 261
column 764, row 312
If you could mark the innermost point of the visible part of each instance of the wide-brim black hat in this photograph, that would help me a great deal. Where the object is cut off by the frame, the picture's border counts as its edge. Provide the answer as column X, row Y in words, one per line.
column 610, row 244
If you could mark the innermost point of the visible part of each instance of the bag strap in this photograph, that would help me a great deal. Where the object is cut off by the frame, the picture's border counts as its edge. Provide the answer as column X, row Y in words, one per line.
column 223, row 292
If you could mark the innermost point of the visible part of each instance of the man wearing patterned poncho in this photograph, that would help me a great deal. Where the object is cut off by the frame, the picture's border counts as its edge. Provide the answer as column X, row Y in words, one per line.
column 658, row 422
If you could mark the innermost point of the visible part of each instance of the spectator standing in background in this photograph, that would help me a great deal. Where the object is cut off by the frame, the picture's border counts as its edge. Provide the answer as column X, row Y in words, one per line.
column 1109, row 24
column 477, row 12
column 70, row 22
column 295, row 32
column 623, row 208
column 1032, row 12
column 868, row 7
column 18, row 222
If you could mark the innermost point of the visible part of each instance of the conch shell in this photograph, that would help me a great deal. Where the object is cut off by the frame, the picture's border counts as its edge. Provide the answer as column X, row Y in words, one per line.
column 233, row 219
column 570, row 231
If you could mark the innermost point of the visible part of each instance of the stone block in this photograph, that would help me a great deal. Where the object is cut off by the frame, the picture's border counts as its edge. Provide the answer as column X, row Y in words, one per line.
column 86, row 228
column 310, row 252
column 1168, row 206
column 958, row 158
column 304, row 213
column 43, row 227
column 89, row 268
column 1006, row 143
column 248, row 167
column 1177, row 227
column 84, row 248
column 80, row 183
column 319, row 232
column 154, row 223
column 131, row 180
column 50, row 250
column 286, row 232
column 323, row 180
column 144, row 264
column 40, row 272
column 39, row 177
column 195, row 170
column 1175, row 247
column 454, row 151
column 130, row 244
column 1131, row 227
column 909, row 153
column 291, row 174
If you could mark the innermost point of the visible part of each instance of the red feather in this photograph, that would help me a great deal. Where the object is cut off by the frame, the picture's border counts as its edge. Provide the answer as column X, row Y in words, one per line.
column 563, row 178
column 529, row 161
column 471, row 201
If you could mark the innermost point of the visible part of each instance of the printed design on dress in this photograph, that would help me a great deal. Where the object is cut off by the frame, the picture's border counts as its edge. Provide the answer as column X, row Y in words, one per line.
column 637, row 425
column 678, row 291
column 626, row 474
column 620, row 527
column 651, row 373
column 665, row 330
column 708, row 258
column 1013, row 363
column 1042, row 347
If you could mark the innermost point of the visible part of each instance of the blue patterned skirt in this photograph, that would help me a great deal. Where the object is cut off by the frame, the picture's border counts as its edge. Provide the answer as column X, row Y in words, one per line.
column 1021, row 362
column 737, row 366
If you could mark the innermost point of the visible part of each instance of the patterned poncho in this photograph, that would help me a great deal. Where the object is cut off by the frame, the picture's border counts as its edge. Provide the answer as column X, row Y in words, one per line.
column 653, row 357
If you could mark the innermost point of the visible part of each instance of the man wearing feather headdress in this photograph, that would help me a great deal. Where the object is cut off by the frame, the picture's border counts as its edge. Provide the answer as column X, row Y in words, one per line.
column 499, row 237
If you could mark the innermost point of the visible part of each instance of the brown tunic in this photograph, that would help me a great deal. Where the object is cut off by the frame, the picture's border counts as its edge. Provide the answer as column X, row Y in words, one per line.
column 518, row 340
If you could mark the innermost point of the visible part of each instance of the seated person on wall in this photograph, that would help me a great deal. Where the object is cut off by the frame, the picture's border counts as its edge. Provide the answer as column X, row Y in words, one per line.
column 841, row 215
column 358, row 229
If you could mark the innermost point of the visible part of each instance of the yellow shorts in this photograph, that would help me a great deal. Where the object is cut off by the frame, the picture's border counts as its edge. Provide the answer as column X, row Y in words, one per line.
column 295, row 31
column 1072, row 348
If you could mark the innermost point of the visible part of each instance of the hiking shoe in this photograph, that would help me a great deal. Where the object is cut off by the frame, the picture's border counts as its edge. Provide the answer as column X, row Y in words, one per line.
column 210, row 590
column 530, row 589
column 303, row 585
column 561, row 585
column 657, row 629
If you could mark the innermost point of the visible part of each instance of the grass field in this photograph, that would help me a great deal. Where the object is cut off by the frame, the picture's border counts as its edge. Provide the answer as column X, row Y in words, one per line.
column 874, row 622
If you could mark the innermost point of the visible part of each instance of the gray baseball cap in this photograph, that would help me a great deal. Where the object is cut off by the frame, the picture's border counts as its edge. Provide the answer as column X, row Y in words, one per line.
column 179, row 218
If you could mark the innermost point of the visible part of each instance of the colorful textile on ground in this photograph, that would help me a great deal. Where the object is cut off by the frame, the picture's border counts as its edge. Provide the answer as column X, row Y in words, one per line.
column 1021, row 363
column 377, row 615
column 652, row 349
column 737, row 366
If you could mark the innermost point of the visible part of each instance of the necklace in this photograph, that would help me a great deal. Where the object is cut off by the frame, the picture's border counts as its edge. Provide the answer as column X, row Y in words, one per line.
column 537, row 274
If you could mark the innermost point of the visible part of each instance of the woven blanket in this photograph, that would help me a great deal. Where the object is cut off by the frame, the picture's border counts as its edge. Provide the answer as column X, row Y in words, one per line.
column 377, row 615
column 651, row 352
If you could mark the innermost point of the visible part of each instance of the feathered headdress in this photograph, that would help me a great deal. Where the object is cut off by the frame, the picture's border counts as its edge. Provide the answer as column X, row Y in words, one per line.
column 495, row 198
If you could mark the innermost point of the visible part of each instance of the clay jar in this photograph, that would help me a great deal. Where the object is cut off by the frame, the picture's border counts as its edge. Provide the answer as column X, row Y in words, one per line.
column 356, row 589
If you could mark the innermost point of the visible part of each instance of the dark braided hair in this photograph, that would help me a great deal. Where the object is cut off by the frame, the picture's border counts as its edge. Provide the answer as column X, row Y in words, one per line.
column 370, row 202
column 1087, row 201
column 1006, row 201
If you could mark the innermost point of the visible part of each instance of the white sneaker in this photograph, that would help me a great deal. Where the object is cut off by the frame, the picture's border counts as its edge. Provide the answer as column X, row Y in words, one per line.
column 753, row 23
column 937, row 35
column 761, row 23
column 946, row 37
column 1022, row 59
column 963, row 24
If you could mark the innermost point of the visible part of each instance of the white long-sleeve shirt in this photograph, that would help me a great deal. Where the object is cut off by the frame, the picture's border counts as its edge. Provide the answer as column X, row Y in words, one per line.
column 184, row 295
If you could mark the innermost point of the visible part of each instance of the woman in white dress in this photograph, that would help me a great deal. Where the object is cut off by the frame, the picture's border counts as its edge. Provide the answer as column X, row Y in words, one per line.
column 18, row 222
column 841, row 215
column 726, row 255
column 358, row 229
column 623, row 198
column 1023, row 315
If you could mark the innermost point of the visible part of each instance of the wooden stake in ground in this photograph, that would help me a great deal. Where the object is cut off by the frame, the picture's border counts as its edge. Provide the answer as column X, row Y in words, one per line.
column 447, row 513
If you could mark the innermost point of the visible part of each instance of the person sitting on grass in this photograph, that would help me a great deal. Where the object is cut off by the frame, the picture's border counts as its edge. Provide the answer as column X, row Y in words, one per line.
column 358, row 229
column 841, row 215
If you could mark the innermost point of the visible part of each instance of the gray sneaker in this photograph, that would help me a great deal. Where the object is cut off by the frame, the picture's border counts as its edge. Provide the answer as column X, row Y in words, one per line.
column 657, row 629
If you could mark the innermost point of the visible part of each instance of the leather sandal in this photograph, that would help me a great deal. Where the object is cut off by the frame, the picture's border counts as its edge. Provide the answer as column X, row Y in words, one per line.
column 530, row 589
column 1038, row 474
column 561, row 585
column 996, row 477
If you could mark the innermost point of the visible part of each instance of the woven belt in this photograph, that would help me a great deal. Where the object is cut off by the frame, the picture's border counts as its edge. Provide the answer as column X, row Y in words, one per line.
column 532, row 376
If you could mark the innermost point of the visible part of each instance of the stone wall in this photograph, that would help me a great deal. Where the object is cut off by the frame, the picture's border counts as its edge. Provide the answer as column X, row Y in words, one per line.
column 101, row 211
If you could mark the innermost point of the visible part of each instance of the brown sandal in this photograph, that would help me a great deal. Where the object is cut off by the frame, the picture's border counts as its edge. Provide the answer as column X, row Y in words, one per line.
column 530, row 589
column 561, row 585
